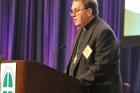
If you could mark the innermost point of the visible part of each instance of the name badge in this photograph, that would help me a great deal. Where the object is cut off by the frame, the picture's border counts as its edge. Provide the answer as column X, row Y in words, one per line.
column 87, row 51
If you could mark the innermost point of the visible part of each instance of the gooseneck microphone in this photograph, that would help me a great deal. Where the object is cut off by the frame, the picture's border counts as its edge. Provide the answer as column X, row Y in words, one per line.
column 62, row 46
column 51, row 56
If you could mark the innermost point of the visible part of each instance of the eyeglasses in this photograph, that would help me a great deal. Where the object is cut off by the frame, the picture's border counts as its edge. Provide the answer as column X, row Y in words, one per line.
column 76, row 12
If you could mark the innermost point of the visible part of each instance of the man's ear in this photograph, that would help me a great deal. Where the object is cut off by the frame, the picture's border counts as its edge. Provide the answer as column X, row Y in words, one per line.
column 90, row 11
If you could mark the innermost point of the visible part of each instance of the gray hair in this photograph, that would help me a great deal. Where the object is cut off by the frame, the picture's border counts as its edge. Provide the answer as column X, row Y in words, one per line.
column 93, row 4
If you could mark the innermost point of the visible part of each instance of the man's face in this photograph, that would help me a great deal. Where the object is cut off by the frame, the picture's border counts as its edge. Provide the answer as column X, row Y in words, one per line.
column 79, row 14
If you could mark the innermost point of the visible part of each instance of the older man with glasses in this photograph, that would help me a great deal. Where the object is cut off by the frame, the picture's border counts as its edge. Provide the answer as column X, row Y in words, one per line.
column 95, row 60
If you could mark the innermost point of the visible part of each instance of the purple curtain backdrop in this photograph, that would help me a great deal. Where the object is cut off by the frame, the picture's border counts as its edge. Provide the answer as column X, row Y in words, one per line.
column 37, row 29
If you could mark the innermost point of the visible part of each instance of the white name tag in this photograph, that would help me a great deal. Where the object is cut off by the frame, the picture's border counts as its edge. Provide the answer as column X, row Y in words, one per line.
column 87, row 51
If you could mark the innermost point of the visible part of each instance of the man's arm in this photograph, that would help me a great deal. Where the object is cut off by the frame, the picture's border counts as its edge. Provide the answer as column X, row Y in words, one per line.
column 102, row 64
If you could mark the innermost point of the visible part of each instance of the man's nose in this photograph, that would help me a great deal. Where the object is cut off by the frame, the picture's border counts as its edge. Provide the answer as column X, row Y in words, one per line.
column 73, row 15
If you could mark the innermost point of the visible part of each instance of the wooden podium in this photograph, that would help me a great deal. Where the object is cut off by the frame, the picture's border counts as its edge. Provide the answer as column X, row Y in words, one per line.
column 33, row 77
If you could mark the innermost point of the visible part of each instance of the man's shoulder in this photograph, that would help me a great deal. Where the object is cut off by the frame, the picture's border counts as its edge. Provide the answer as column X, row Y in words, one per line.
column 102, row 27
column 101, row 23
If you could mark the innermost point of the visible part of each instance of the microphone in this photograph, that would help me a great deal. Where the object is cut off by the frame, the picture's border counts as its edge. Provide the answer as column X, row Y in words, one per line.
column 51, row 56
column 62, row 46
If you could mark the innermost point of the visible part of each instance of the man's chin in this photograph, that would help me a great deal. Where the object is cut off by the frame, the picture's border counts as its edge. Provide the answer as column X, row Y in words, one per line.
column 77, row 25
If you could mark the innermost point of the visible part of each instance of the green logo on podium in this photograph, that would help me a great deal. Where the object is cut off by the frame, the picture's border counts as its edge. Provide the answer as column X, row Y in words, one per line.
column 7, row 83
column 8, row 78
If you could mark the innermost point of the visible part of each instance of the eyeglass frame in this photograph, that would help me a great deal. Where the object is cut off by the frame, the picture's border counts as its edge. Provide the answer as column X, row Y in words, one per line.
column 74, row 12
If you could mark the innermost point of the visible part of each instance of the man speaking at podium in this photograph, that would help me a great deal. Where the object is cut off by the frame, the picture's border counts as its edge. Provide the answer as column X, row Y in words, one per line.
column 95, row 58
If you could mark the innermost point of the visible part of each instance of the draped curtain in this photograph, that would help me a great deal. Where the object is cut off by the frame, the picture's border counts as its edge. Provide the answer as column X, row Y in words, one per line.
column 38, row 30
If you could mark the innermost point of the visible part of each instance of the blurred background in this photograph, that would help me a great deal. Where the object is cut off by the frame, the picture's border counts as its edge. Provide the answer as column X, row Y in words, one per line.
column 43, row 31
